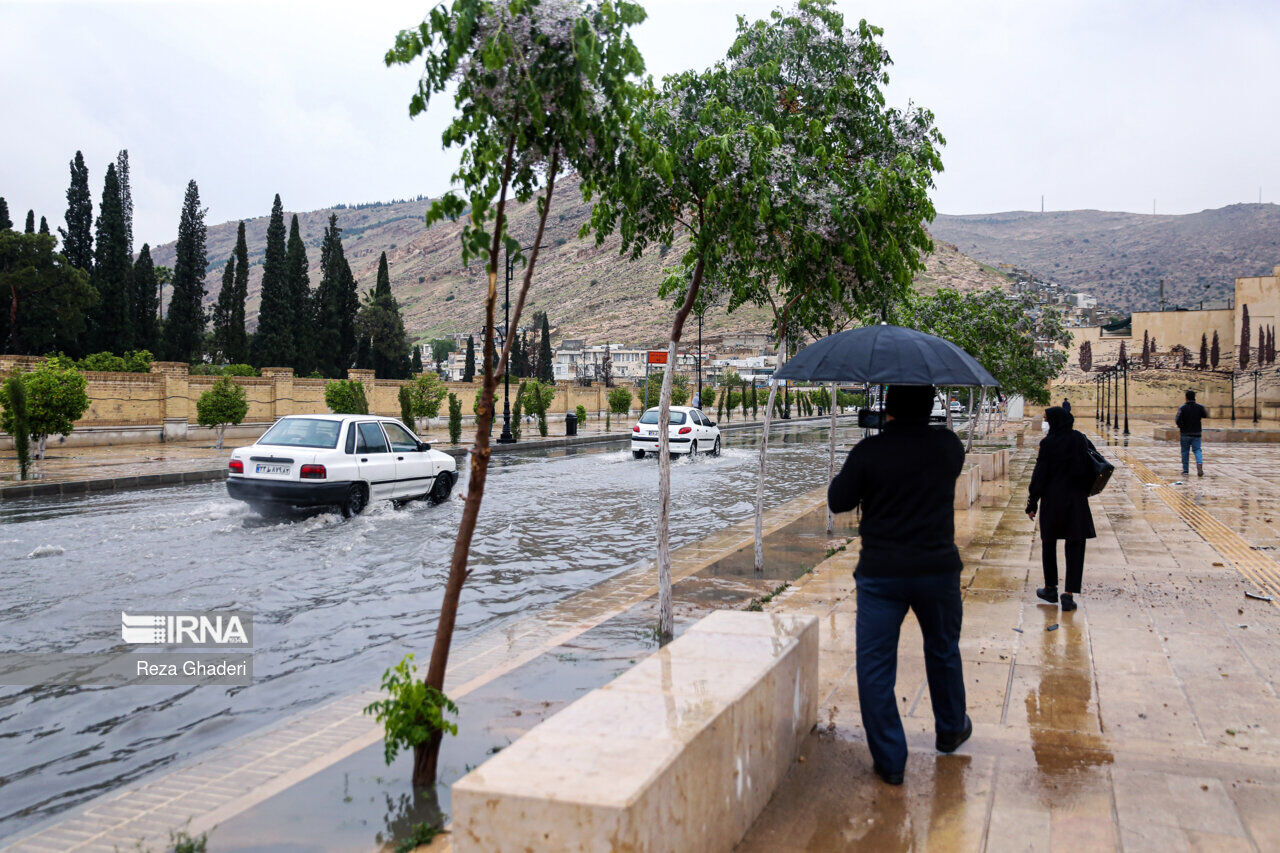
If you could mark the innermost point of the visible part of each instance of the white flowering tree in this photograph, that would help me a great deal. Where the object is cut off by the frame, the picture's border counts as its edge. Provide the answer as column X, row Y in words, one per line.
column 696, row 168
column 539, row 86
column 850, row 178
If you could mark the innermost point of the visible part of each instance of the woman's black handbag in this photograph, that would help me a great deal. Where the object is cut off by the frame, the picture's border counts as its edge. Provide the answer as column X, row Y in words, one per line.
column 1102, row 469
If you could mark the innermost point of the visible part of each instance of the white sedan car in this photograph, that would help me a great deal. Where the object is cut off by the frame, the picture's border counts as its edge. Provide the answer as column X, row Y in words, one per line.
column 690, row 431
column 338, row 460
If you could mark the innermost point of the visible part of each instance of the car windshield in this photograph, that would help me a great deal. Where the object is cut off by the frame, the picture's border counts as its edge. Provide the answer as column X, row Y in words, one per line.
column 651, row 417
column 303, row 432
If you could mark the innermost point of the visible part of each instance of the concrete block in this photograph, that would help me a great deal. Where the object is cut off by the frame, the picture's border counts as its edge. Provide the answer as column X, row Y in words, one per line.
column 968, row 487
column 681, row 752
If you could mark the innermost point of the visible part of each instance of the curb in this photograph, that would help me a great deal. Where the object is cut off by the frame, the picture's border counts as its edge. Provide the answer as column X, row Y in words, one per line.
column 68, row 488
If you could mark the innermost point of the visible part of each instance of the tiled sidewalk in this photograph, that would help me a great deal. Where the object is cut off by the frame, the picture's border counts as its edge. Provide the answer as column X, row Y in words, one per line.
column 1147, row 720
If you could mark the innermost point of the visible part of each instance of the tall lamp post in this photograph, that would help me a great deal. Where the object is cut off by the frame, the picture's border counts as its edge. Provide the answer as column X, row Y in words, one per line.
column 1106, row 397
column 1097, row 398
column 1256, row 374
column 507, row 437
column 700, row 357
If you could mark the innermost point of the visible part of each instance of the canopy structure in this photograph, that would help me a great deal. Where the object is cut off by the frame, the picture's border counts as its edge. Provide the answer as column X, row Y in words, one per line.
column 886, row 355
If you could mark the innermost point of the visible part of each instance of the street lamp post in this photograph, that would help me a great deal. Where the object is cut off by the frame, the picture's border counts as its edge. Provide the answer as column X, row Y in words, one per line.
column 1097, row 398
column 507, row 437
column 1106, row 397
column 699, row 357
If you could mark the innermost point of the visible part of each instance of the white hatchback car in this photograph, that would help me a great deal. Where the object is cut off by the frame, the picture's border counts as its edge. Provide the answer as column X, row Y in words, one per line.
column 690, row 431
column 338, row 460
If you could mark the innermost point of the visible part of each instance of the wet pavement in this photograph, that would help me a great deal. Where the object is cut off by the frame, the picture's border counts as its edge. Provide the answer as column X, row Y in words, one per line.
column 1148, row 719
column 335, row 602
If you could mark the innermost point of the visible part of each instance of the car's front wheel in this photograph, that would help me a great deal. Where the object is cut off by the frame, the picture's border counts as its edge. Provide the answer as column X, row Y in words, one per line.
column 715, row 448
column 356, row 500
column 637, row 454
column 440, row 491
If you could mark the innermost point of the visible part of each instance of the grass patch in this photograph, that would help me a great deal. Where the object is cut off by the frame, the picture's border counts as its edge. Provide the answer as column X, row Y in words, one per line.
column 757, row 604
column 423, row 833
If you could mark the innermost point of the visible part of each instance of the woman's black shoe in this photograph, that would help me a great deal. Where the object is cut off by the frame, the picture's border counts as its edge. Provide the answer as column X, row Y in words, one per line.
column 1049, row 594
column 889, row 778
column 950, row 743
column 1068, row 602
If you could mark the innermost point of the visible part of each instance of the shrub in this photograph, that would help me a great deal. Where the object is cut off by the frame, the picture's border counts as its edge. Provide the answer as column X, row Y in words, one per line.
column 517, row 412
column 56, row 399
column 405, row 396
column 475, row 408
column 224, row 403
column 14, row 400
column 455, row 418
column 346, row 397
column 538, row 396
column 231, row 370
column 412, row 713
column 620, row 401
column 581, row 412
column 104, row 362
column 138, row 361
column 428, row 393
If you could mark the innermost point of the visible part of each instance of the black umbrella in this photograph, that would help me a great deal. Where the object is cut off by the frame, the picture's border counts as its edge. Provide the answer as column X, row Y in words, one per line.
column 886, row 355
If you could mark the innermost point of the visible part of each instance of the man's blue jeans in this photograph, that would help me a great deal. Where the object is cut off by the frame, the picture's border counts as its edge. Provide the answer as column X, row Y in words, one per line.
column 882, row 605
column 1190, row 443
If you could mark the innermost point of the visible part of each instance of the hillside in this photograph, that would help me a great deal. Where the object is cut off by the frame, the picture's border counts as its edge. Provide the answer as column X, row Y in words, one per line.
column 587, row 291
column 1121, row 257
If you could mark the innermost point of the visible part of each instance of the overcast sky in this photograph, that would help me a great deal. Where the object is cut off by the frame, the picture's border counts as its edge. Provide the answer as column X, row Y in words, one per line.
column 1103, row 105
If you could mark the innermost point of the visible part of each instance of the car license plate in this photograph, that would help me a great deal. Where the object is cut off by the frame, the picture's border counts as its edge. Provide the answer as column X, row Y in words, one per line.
column 272, row 469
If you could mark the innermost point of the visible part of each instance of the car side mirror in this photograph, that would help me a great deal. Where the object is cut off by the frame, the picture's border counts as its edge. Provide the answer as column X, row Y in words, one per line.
column 422, row 446
column 711, row 423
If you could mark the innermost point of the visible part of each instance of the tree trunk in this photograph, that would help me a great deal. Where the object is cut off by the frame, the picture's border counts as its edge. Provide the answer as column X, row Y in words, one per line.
column 222, row 428
column 40, row 443
column 968, row 445
column 831, row 458
column 426, row 756
column 666, row 616
column 764, row 448
column 946, row 401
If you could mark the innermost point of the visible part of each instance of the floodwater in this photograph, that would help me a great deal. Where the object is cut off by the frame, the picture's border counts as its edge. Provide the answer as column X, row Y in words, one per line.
column 335, row 602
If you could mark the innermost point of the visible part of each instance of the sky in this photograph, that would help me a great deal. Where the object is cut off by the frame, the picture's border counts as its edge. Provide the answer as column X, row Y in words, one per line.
column 1106, row 105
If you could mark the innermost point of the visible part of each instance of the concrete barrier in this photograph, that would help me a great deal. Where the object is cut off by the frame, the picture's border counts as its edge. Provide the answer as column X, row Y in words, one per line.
column 968, row 486
column 1223, row 435
column 681, row 752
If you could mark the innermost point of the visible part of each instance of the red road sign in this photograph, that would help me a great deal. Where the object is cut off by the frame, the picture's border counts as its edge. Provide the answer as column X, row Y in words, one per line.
column 657, row 356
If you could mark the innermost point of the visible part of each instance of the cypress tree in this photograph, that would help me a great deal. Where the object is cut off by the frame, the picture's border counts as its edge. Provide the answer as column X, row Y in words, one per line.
column 273, row 344
column 222, row 312
column 469, row 368
column 126, row 197
column 1244, row 337
column 300, row 297
column 5, row 222
column 417, row 358
column 546, row 368
column 31, row 222
column 1214, row 353
column 381, row 325
column 237, row 337
column 1204, row 351
column 111, row 327
column 336, row 304
column 383, row 285
column 184, row 327
column 146, row 298
column 77, row 239
column 44, row 225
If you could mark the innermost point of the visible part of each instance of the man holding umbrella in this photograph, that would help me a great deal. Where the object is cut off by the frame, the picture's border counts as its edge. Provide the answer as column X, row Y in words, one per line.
column 904, row 480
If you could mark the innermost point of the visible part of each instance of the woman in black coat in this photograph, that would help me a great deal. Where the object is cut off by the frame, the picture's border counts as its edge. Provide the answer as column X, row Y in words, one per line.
column 1060, row 485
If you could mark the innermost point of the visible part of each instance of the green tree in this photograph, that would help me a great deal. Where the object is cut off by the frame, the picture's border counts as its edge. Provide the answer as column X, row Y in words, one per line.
column 222, row 309
column 184, row 326
column 299, row 283
column 77, row 239
column 416, row 365
column 469, row 367
column 237, row 338
column 6, row 223
column 56, row 399
column 273, row 344
column 111, row 324
column 126, row 198
column 145, row 301
column 336, row 305
column 538, row 397
column 546, row 362
column 581, row 413
column 440, row 349
column 225, row 403
column 346, row 397
column 31, row 223
column 405, row 398
column 46, row 299
column 455, row 418
column 14, row 401
column 619, row 402
column 44, row 225
column 379, row 322
column 428, row 392
column 503, row 62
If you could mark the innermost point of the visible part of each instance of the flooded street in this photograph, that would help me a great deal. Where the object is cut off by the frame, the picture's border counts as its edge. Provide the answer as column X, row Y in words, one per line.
column 335, row 602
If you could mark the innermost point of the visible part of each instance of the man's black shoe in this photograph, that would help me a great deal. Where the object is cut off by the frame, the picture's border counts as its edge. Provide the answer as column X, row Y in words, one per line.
column 1068, row 602
column 950, row 743
column 889, row 778
column 1048, row 593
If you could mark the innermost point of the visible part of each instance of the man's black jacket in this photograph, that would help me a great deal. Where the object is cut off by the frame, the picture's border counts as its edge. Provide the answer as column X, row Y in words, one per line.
column 905, row 480
column 1189, row 416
